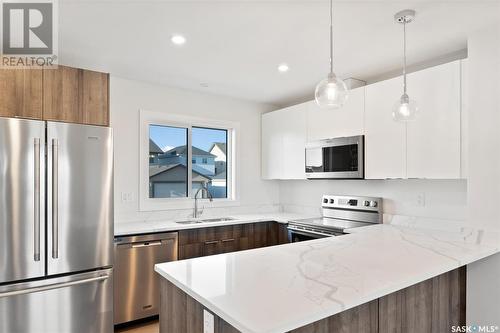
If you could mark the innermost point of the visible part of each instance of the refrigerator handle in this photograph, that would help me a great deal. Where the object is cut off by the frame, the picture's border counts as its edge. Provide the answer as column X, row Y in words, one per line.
column 53, row 286
column 36, row 207
column 55, row 208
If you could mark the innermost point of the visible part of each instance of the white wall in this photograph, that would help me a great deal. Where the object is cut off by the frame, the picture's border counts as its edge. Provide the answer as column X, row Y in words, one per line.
column 430, row 198
column 483, row 278
column 127, row 97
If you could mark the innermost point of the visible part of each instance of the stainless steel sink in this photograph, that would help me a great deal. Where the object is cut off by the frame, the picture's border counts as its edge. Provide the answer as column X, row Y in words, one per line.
column 188, row 222
column 219, row 219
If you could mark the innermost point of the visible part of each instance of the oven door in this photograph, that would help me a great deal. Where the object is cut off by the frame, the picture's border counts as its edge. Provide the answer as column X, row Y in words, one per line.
column 298, row 234
column 336, row 158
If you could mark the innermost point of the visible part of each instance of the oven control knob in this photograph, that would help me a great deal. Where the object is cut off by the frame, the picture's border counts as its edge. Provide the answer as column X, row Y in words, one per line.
column 373, row 204
column 325, row 200
column 332, row 201
column 366, row 203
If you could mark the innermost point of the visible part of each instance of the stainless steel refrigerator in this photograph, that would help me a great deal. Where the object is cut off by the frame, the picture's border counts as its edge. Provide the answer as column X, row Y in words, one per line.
column 56, row 227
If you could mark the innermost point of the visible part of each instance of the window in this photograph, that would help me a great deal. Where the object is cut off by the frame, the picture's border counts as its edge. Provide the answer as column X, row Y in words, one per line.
column 209, row 145
column 168, row 169
column 185, row 155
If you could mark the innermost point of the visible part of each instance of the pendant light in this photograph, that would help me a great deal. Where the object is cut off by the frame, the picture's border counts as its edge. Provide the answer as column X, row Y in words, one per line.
column 331, row 92
column 405, row 109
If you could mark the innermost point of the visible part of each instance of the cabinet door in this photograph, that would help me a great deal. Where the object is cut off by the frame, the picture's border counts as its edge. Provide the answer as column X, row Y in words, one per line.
column 244, row 236
column 283, row 143
column 61, row 88
column 433, row 139
column 385, row 139
column 272, row 142
column 282, row 233
column 265, row 234
column 21, row 93
column 95, row 98
column 293, row 127
column 346, row 121
column 76, row 96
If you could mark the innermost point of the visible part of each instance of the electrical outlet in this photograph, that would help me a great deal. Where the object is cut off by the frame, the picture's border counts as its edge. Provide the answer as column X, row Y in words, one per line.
column 127, row 196
column 208, row 322
column 420, row 200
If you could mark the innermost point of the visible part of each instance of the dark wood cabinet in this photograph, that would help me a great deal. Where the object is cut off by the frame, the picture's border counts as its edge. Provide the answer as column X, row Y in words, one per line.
column 214, row 240
column 265, row 234
column 21, row 93
column 282, row 233
column 432, row 306
column 76, row 95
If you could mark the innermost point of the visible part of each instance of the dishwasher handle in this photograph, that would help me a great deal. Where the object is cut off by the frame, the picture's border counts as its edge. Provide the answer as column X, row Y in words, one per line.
column 146, row 244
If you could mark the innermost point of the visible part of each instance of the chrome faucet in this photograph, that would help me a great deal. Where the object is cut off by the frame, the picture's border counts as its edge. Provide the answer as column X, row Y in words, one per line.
column 196, row 212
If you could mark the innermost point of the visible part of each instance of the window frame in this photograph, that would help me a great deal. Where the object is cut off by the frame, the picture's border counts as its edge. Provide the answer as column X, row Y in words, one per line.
column 148, row 118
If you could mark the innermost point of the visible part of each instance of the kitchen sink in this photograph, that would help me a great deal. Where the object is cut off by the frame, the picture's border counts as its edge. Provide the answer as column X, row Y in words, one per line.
column 219, row 219
column 189, row 222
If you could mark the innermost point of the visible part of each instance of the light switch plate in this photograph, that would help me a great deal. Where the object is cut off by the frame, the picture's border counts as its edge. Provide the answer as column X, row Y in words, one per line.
column 208, row 322
column 127, row 196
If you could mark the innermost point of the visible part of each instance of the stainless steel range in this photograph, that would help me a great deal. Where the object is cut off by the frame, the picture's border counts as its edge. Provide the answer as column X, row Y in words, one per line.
column 339, row 213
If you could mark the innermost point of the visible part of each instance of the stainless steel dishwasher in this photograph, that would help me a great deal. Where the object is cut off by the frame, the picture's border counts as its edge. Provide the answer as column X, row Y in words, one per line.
column 136, row 284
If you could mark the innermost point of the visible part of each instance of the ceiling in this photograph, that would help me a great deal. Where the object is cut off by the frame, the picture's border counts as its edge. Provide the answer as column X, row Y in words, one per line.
column 234, row 47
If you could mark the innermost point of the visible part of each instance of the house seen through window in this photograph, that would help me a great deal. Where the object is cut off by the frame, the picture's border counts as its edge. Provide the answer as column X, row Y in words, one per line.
column 168, row 161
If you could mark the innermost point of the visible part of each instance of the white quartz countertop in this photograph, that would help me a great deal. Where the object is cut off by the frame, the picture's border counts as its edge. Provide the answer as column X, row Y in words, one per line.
column 143, row 227
column 280, row 288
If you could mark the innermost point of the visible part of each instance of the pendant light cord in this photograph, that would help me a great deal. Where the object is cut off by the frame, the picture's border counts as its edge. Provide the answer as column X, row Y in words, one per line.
column 331, row 36
column 404, row 57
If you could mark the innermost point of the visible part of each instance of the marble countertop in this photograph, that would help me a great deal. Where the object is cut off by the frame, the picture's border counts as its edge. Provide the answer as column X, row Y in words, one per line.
column 142, row 227
column 280, row 288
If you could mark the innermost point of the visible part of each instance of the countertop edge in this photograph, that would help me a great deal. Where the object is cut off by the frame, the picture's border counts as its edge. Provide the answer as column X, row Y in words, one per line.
column 149, row 228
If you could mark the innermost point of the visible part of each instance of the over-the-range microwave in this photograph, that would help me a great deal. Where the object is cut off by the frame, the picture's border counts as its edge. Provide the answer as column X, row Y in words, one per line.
column 341, row 158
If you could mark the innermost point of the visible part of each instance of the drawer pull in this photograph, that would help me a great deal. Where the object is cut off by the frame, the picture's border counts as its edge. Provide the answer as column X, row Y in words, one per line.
column 228, row 240
column 211, row 242
column 146, row 244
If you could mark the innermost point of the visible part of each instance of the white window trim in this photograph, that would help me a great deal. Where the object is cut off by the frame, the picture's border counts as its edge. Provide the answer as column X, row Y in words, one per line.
column 147, row 118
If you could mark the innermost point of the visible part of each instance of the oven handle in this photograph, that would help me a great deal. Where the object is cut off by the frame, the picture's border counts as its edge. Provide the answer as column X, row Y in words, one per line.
column 292, row 228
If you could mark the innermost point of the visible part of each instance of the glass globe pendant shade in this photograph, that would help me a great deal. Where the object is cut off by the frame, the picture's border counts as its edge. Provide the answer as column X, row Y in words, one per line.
column 331, row 92
column 405, row 109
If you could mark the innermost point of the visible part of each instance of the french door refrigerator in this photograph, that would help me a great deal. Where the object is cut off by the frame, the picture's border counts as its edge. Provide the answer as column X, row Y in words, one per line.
column 56, row 227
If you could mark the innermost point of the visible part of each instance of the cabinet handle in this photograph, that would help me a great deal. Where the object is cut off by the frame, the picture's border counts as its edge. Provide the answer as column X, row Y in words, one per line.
column 228, row 240
column 146, row 244
column 211, row 242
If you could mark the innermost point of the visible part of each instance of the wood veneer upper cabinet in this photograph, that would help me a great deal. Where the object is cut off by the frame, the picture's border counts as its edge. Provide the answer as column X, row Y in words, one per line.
column 21, row 93
column 76, row 95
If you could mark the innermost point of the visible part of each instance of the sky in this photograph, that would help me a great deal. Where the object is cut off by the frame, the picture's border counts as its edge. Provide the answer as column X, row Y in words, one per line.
column 167, row 137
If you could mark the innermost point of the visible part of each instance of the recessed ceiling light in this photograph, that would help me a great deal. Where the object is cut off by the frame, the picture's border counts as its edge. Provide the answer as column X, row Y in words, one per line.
column 283, row 68
column 178, row 39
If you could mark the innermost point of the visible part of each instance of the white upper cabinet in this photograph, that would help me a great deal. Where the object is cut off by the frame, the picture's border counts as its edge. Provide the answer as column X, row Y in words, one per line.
column 283, row 143
column 433, row 139
column 272, row 142
column 385, row 139
column 346, row 121
column 434, row 146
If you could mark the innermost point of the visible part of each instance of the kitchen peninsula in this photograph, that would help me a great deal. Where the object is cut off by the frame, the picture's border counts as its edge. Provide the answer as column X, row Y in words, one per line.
column 383, row 278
